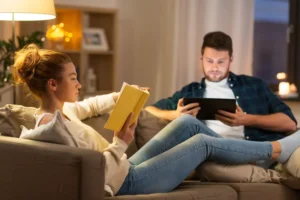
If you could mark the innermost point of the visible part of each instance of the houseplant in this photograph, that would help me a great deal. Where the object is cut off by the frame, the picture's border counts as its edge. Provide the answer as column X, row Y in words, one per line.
column 7, row 50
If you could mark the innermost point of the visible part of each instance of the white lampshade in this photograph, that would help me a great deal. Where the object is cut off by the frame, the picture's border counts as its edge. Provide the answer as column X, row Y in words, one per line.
column 27, row 10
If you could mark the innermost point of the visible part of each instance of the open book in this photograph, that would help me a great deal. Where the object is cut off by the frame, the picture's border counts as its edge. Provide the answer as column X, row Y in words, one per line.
column 131, row 99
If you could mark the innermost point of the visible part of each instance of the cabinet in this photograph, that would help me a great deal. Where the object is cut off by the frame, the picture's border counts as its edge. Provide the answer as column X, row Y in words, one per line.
column 6, row 95
column 76, row 20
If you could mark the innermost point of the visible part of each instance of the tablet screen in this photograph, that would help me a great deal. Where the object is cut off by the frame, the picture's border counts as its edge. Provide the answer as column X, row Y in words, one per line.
column 210, row 106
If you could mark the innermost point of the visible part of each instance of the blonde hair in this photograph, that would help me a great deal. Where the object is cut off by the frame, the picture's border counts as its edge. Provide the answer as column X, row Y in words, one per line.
column 34, row 67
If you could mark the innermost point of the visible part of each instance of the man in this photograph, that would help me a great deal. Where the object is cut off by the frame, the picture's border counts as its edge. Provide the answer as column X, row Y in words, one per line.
column 260, row 114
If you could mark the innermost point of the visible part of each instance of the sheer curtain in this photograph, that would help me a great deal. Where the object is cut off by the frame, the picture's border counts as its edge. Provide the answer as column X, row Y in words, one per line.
column 160, row 40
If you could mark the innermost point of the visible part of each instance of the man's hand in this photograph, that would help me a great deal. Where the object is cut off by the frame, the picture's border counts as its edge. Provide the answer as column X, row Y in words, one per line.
column 127, row 132
column 191, row 109
column 239, row 118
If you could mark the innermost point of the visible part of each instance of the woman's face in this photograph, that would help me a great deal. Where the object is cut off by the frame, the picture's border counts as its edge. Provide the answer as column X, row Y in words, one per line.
column 68, row 88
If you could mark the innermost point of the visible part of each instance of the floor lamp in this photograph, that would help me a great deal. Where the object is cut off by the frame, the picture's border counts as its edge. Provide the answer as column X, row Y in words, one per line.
column 26, row 10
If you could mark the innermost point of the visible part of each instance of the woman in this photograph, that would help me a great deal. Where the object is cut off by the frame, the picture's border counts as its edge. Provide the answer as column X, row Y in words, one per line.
column 169, row 157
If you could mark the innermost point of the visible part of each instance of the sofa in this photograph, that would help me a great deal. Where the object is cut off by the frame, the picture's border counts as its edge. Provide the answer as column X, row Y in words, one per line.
column 38, row 170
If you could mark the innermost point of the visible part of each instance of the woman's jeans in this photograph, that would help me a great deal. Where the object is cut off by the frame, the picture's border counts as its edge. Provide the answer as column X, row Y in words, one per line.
column 170, row 156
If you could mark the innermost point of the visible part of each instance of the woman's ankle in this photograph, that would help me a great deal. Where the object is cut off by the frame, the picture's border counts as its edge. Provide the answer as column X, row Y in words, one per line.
column 276, row 149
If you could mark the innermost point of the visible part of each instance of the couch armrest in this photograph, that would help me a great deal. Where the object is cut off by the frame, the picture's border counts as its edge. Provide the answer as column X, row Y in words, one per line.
column 37, row 170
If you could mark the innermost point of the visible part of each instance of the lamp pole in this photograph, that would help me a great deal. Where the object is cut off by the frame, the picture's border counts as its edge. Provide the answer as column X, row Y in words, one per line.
column 13, row 32
column 13, row 53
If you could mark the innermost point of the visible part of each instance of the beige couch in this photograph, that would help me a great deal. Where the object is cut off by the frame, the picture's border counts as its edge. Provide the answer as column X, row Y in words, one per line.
column 37, row 170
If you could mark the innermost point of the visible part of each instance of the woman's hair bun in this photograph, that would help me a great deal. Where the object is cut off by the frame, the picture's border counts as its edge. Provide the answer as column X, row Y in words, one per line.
column 26, row 62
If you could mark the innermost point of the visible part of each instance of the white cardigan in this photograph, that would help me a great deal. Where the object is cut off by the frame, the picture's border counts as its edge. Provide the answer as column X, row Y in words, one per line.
column 117, row 165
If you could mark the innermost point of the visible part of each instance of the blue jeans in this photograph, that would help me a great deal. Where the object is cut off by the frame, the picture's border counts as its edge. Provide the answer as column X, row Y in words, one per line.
column 170, row 156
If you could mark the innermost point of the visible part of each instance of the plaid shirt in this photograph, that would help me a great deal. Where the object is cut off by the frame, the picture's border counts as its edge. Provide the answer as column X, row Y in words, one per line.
column 253, row 96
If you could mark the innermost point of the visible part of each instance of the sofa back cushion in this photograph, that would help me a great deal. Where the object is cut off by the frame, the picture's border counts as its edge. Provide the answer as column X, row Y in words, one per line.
column 12, row 116
column 148, row 126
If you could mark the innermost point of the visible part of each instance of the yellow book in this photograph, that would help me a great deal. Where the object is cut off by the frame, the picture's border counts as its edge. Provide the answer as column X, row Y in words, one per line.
column 131, row 99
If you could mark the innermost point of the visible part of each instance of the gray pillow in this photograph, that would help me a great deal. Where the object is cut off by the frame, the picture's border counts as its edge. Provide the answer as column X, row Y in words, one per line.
column 12, row 116
column 54, row 132
column 148, row 126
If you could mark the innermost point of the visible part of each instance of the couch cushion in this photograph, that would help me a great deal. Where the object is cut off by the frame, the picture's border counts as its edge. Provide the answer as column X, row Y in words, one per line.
column 250, row 191
column 183, row 192
column 148, row 126
column 12, row 116
column 257, row 191
column 215, row 172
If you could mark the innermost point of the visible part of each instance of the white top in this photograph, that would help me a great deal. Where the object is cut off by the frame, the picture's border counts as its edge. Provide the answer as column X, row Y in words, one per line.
column 223, row 91
column 116, row 165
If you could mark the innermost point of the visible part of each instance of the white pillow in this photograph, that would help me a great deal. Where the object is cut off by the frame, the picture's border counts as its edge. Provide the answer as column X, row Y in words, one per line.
column 54, row 132
column 293, row 164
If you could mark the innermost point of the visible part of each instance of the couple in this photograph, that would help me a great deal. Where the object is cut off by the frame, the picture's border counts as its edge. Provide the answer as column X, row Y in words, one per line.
column 170, row 156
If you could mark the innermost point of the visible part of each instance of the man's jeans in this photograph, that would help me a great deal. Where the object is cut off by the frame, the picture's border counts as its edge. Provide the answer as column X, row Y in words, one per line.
column 170, row 156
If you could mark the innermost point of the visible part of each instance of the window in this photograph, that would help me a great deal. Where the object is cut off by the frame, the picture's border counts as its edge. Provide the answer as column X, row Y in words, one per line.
column 270, row 55
column 294, row 44
column 277, row 41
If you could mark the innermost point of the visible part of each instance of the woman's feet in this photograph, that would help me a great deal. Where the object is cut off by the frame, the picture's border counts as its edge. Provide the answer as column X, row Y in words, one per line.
column 288, row 145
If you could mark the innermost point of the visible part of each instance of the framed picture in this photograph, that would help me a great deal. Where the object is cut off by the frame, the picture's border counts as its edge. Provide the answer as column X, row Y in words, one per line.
column 94, row 39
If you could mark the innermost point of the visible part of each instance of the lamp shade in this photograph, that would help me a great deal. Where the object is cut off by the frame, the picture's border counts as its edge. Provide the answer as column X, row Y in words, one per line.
column 27, row 10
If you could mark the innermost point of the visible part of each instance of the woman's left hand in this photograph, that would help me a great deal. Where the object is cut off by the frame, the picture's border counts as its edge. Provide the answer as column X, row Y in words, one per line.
column 142, row 88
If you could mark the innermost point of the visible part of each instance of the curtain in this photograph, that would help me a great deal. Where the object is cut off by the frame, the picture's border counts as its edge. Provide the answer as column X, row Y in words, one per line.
column 160, row 40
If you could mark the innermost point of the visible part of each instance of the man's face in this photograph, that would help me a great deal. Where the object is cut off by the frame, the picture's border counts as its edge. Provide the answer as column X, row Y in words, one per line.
column 215, row 64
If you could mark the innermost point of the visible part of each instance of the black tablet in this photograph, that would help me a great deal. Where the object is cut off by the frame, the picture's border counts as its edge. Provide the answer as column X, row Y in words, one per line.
column 210, row 106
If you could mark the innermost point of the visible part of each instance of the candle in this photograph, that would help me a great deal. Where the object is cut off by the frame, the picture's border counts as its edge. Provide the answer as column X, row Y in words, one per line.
column 284, row 88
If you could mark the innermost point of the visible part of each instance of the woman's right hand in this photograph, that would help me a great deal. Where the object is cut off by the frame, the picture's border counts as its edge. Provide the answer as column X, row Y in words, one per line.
column 127, row 132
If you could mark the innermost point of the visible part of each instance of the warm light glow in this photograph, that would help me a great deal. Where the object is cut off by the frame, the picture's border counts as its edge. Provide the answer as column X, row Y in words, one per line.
column 281, row 76
column 284, row 88
column 27, row 10
column 57, row 33
column 293, row 88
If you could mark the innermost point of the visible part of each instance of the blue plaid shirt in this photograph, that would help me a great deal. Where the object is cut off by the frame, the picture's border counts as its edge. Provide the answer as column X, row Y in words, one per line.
column 253, row 96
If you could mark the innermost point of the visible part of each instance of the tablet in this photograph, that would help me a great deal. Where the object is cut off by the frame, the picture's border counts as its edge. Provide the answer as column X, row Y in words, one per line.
column 210, row 106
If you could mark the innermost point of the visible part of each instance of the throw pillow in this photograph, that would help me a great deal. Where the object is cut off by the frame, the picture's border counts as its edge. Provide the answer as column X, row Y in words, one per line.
column 247, row 173
column 54, row 132
column 12, row 116
column 293, row 164
column 148, row 126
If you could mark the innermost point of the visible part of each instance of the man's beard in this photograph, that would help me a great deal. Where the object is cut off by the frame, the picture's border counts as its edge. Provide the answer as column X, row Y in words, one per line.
column 217, row 78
